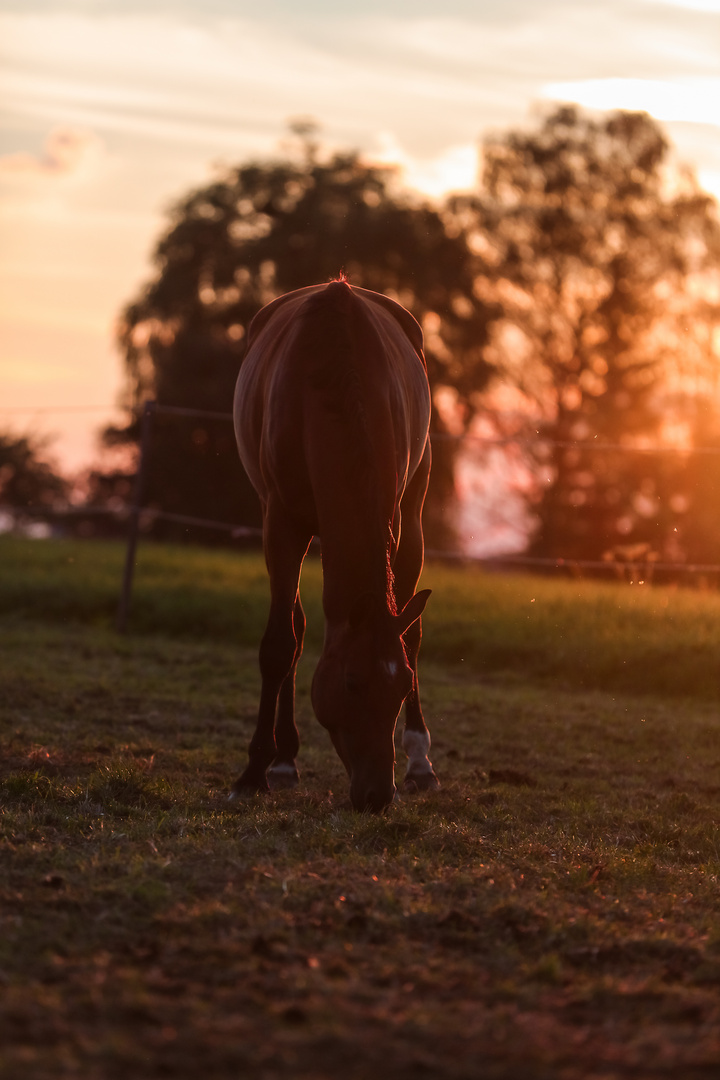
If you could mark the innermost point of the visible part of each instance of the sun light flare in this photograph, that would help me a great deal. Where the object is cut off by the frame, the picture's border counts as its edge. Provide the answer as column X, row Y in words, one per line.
column 455, row 169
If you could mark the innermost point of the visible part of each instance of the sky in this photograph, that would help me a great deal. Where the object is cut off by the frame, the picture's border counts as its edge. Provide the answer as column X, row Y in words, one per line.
column 111, row 110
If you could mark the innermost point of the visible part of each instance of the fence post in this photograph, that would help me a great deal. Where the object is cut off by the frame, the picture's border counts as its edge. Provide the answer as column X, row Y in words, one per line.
column 134, row 526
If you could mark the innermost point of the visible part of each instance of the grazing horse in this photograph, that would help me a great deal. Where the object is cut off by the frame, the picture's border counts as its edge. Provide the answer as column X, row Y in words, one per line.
column 332, row 408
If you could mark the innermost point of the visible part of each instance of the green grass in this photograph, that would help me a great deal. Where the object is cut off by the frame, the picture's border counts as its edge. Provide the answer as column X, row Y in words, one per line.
column 584, row 634
column 553, row 911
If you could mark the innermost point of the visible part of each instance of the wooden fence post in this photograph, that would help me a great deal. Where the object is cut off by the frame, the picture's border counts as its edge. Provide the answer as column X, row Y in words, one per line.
column 134, row 526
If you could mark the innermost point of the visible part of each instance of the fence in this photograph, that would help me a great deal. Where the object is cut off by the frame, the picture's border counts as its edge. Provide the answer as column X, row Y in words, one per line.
column 573, row 565
column 633, row 566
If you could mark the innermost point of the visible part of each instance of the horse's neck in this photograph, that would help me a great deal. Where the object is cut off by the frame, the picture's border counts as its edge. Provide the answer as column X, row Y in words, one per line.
column 355, row 563
column 354, row 502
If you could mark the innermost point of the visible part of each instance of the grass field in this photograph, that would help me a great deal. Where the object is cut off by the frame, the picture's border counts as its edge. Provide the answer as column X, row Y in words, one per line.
column 553, row 911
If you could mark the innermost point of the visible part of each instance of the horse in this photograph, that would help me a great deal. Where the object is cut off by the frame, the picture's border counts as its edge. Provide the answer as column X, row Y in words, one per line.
column 331, row 414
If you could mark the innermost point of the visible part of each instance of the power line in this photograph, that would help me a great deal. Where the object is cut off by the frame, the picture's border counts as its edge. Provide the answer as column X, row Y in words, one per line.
column 57, row 408
column 439, row 436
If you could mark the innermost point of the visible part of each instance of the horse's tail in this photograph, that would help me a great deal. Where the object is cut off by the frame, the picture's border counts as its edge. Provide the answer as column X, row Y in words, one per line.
column 337, row 295
column 327, row 331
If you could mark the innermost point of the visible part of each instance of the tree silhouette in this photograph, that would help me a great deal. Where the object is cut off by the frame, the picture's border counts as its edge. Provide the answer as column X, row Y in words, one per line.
column 591, row 257
column 260, row 231
column 574, row 270
column 28, row 483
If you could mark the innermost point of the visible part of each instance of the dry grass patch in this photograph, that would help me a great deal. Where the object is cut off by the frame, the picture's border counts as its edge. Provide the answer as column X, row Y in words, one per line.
column 552, row 912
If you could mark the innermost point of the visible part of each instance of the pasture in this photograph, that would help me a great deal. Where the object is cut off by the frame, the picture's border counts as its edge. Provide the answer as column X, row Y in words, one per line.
column 553, row 911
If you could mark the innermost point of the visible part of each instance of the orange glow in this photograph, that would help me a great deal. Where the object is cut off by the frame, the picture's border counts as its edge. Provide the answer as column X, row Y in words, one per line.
column 111, row 116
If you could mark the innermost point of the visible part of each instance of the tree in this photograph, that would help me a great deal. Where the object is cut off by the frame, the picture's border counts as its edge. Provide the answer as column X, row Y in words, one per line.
column 28, row 483
column 591, row 257
column 260, row 231
column 697, row 502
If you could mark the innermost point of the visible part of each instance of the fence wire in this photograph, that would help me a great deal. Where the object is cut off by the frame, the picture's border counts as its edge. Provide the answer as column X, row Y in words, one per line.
column 482, row 440
column 440, row 436
column 136, row 513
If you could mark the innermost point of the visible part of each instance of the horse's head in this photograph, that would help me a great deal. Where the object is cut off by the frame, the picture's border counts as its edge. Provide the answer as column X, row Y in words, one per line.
column 361, row 681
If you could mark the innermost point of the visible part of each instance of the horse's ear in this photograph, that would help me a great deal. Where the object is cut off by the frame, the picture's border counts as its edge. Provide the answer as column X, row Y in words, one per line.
column 413, row 610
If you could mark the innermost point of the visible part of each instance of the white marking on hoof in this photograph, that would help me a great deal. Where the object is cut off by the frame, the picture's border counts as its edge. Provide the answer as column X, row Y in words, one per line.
column 416, row 745
column 283, row 769
column 412, row 784
column 282, row 776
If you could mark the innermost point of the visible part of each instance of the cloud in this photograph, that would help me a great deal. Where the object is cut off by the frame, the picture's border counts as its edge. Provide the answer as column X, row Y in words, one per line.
column 696, row 100
column 230, row 82
column 710, row 6
column 67, row 150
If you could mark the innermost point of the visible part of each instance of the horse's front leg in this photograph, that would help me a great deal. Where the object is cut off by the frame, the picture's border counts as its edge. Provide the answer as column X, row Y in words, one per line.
column 279, row 649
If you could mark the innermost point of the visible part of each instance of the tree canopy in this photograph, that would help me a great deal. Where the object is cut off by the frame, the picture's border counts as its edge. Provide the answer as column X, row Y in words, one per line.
column 583, row 274
column 595, row 259
column 28, row 483
column 263, row 230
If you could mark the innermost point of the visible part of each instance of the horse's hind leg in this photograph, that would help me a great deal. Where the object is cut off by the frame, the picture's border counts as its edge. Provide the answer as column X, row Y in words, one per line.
column 420, row 775
column 284, row 552
column 283, row 771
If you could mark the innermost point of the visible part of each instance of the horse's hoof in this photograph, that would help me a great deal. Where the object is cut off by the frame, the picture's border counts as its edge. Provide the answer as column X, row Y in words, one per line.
column 415, row 782
column 247, row 785
column 239, row 794
column 283, row 776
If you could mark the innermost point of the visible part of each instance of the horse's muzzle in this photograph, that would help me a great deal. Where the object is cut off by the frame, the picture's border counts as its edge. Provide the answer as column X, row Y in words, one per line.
column 373, row 799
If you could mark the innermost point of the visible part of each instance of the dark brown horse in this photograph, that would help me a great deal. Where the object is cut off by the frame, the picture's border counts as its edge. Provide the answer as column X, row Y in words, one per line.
column 332, row 408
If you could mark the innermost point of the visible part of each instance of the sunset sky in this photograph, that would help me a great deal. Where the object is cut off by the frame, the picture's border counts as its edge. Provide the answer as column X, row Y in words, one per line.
column 111, row 109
